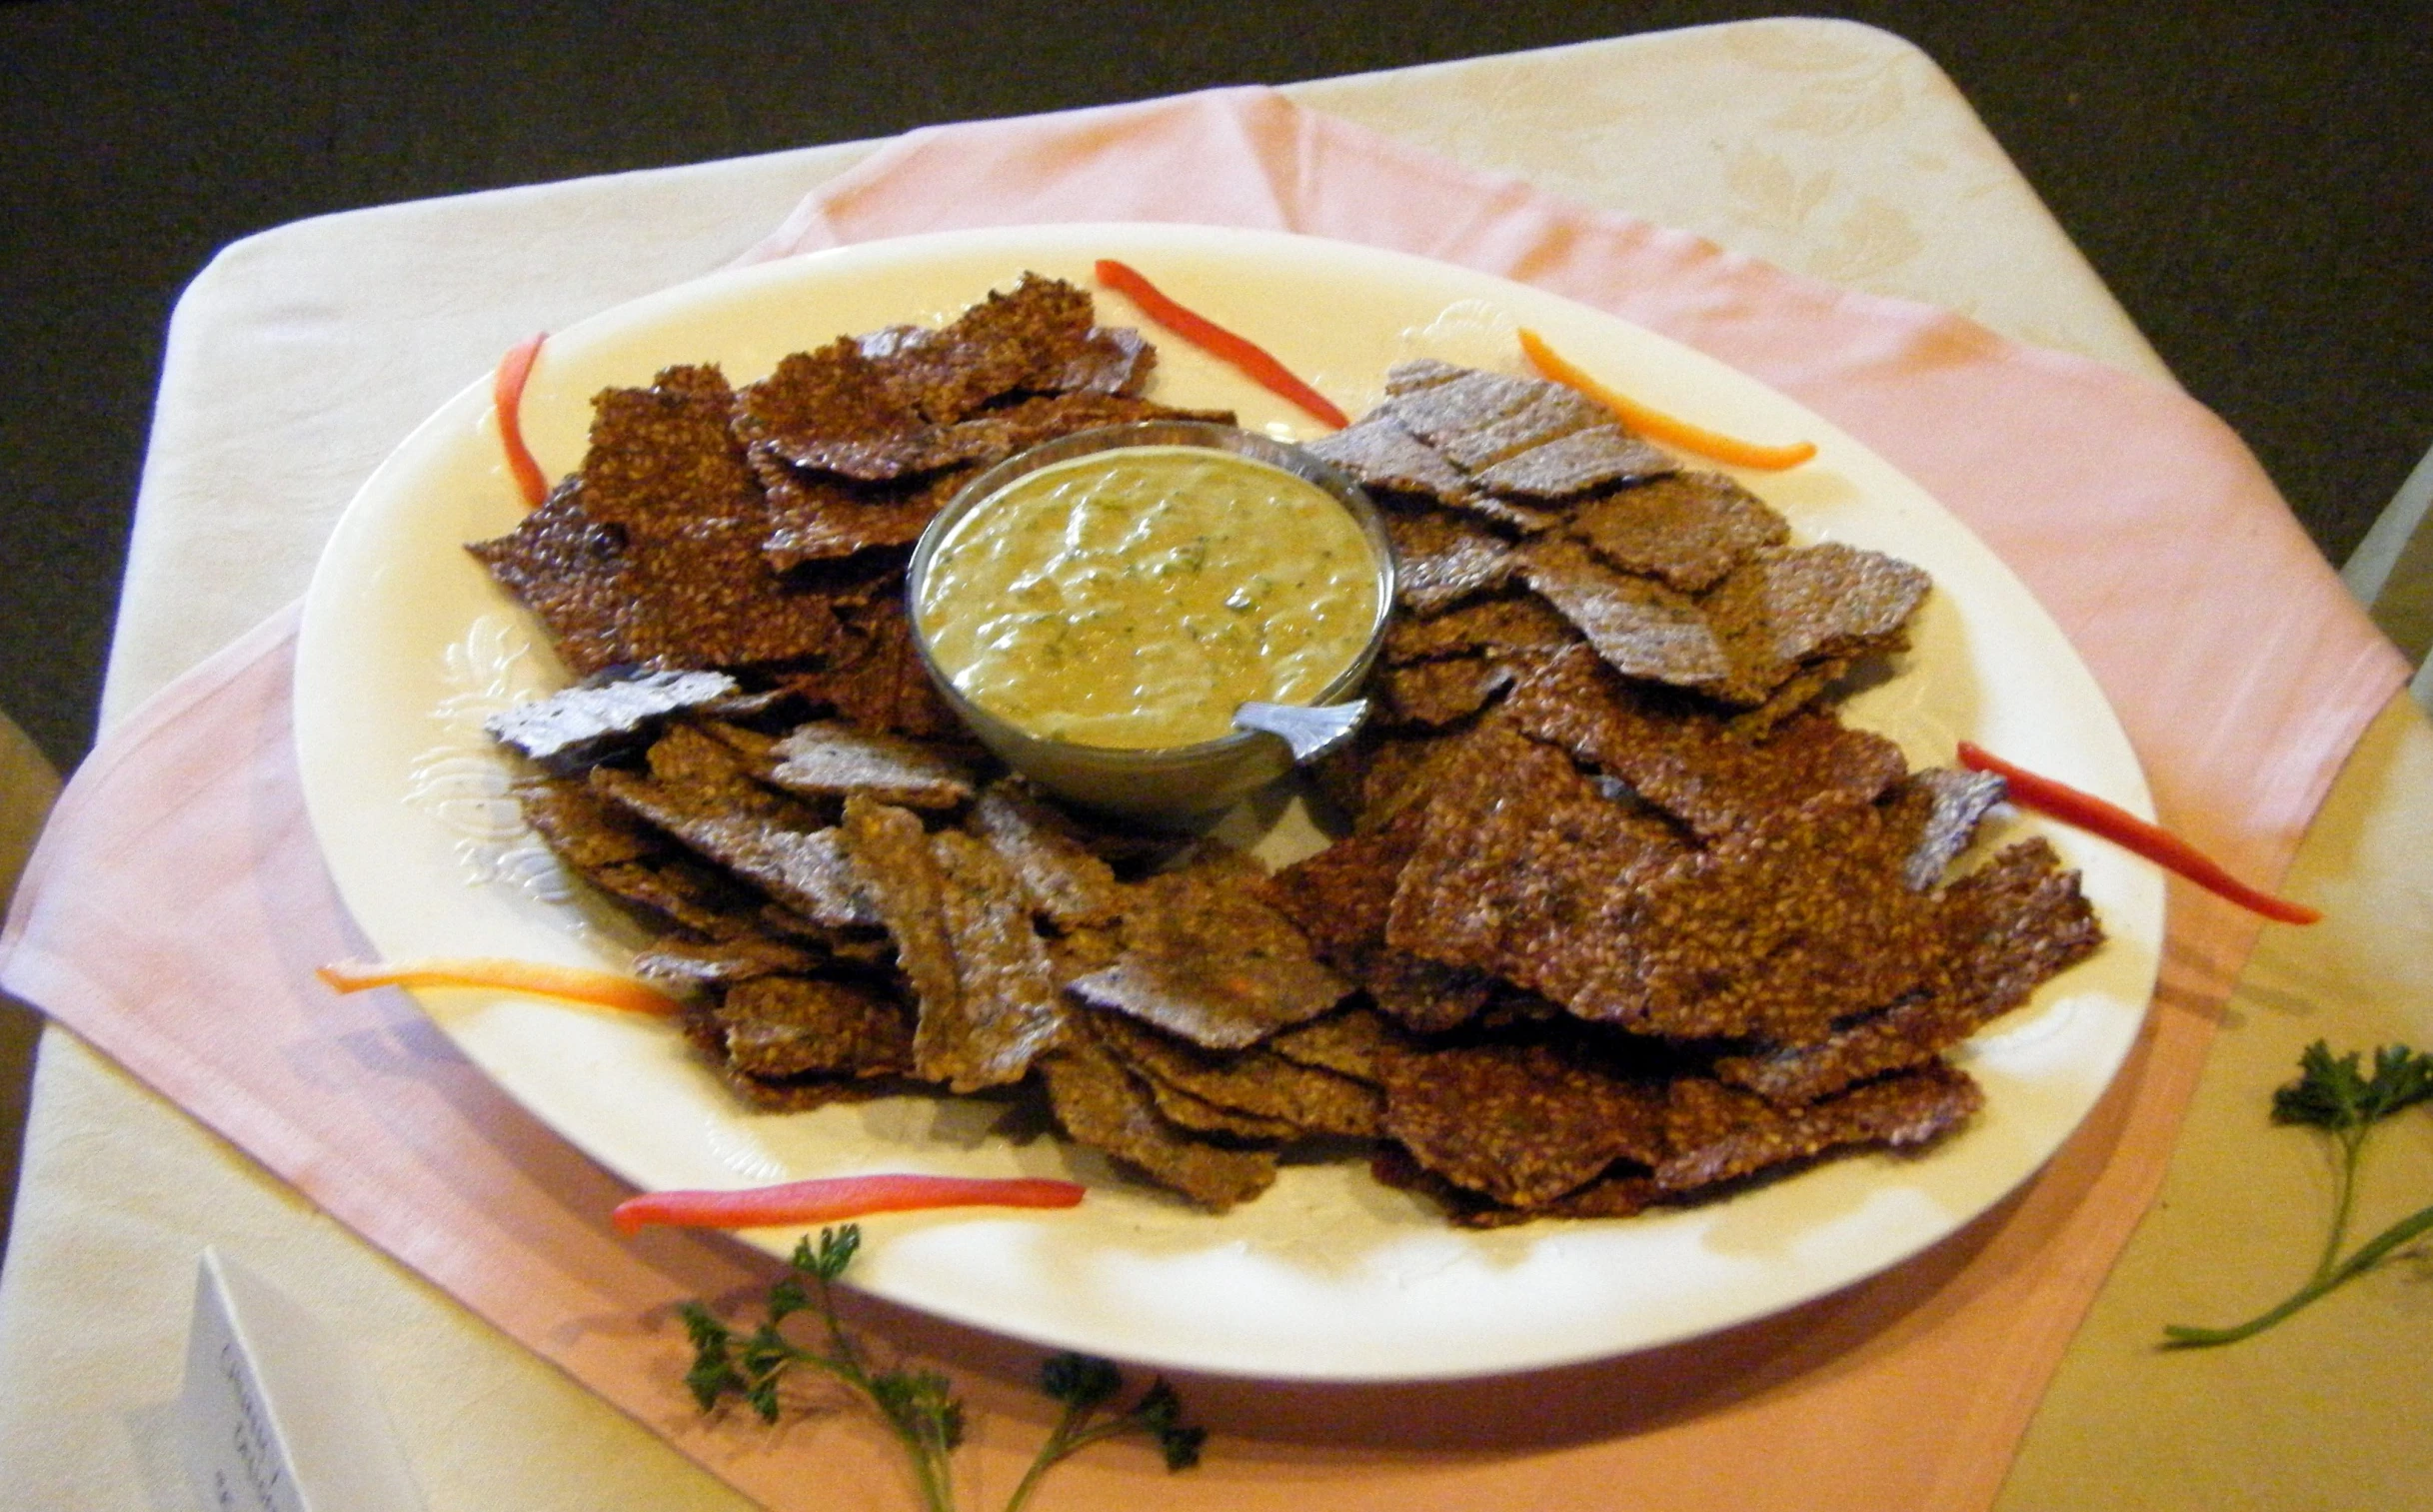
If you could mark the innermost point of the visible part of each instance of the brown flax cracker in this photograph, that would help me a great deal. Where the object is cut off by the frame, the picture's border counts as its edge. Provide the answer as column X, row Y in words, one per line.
column 777, row 1026
column 1789, row 607
column 826, row 759
column 1100, row 1104
column 1441, row 559
column 1687, row 760
column 1207, row 958
column 1523, row 1124
column 1518, row 853
column 698, row 792
column 1307, row 1100
column 1716, row 1133
column 1688, row 529
column 1789, row 923
column 1342, row 898
column 1642, row 628
column 1009, row 1005
column 1070, row 887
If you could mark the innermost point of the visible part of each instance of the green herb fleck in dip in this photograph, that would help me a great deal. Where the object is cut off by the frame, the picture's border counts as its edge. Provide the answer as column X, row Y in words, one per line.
column 1135, row 598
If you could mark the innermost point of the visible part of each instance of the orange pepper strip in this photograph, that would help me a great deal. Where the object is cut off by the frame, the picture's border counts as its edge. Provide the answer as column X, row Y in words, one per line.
column 507, row 396
column 2086, row 812
column 577, row 984
column 828, row 1198
column 1656, row 426
column 1255, row 361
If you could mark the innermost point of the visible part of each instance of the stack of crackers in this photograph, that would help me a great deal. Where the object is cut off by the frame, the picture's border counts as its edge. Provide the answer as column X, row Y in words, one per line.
column 1620, row 913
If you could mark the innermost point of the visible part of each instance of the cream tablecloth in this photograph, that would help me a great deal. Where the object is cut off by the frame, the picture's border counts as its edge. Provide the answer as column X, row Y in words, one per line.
column 301, row 355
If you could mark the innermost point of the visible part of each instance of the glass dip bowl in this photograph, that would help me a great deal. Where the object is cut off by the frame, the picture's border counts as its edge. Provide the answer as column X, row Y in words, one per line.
column 1121, row 765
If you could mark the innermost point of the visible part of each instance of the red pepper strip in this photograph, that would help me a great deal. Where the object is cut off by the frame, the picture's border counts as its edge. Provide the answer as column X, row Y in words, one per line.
column 506, row 394
column 2125, row 830
column 1254, row 360
column 827, row 1198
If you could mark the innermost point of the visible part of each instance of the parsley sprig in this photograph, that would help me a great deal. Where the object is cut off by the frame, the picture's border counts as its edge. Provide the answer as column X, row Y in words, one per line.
column 2337, row 1094
column 919, row 1406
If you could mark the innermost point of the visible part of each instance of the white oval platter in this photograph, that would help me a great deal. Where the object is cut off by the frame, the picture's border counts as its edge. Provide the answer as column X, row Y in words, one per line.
column 407, row 645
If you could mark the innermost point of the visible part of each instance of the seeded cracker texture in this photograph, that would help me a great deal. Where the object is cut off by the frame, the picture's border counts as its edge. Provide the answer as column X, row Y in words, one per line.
column 875, row 678
column 820, row 519
column 779, row 1026
column 1640, row 627
column 1689, row 763
column 1946, row 803
column 2010, row 924
column 698, row 790
column 828, row 758
column 1342, row 898
column 682, row 965
column 1719, row 1133
column 1522, row 1124
column 1386, row 457
column 890, row 852
column 1622, row 914
column 1522, row 868
column 1437, row 694
column 1780, row 928
column 1307, row 1100
column 1351, row 1043
column 1189, row 1111
column 1688, row 529
column 1209, row 960
column 1568, row 465
column 1069, row 885
column 1526, row 625
column 584, row 725
column 575, row 576
column 1786, row 608
column 1106, row 1107
column 1441, row 559
column 1008, row 999
column 1516, row 436
column 585, row 832
column 667, row 510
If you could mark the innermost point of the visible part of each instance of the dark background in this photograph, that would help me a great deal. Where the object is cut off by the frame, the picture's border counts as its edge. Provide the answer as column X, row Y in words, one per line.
column 2252, row 178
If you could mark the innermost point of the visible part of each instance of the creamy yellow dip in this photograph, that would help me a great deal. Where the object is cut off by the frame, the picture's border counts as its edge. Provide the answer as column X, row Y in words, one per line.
column 1134, row 598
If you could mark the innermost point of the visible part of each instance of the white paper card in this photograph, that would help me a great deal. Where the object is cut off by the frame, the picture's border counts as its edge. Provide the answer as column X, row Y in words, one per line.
column 280, row 1417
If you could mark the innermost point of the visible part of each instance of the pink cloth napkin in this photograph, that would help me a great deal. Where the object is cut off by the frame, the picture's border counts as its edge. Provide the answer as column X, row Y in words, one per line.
column 177, row 904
